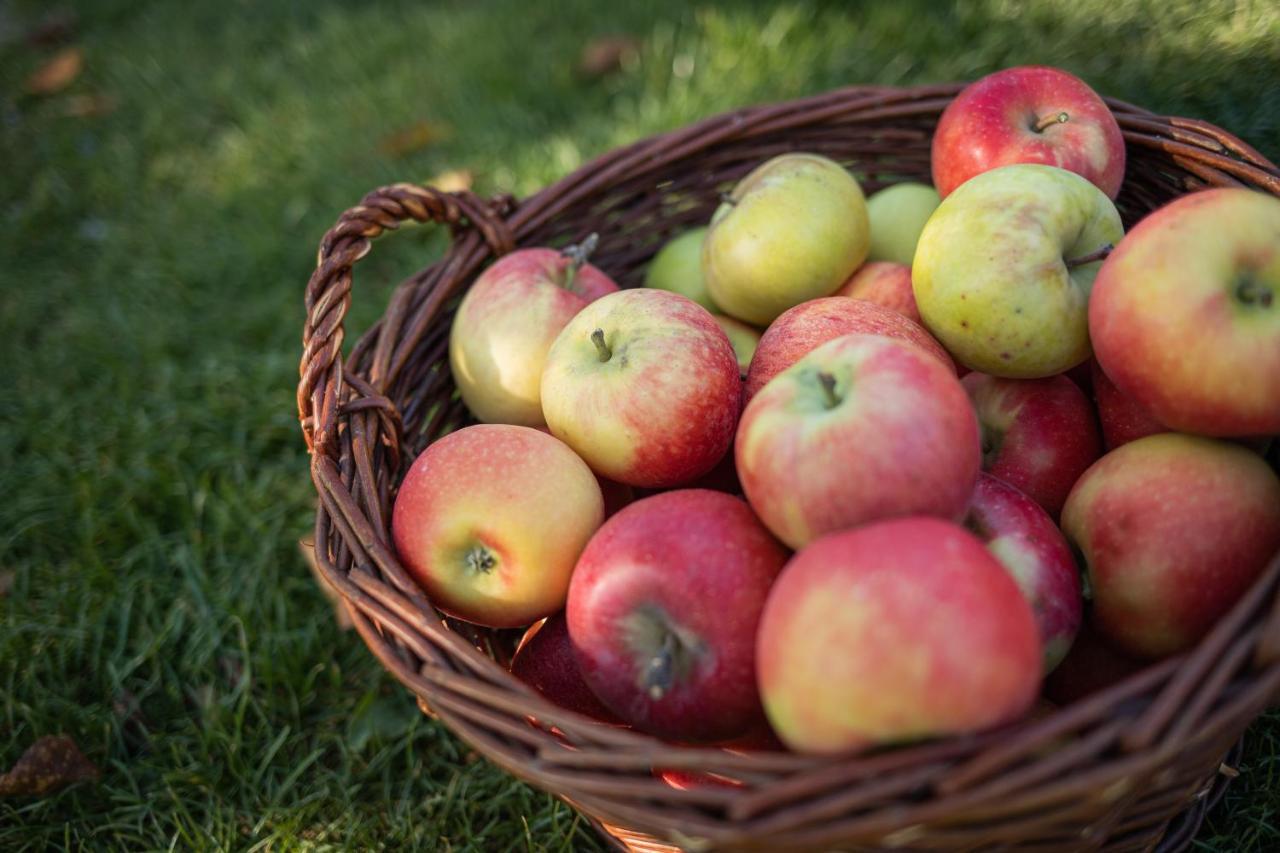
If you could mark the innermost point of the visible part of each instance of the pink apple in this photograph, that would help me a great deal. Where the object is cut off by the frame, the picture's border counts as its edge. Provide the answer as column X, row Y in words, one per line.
column 1037, row 434
column 663, row 610
column 1122, row 419
column 804, row 328
column 1025, row 540
column 545, row 661
column 644, row 386
column 893, row 632
column 1185, row 314
column 864, row 427
column 471, row 518
column 1174, row 529
column 885, row 283
column 506, row 323
column 1030, row 114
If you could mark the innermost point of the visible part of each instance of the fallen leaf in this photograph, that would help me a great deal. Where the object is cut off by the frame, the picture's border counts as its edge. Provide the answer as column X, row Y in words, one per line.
column 415, row 137
column 307, row 547
column 89, row 106
column 452, row 181
column 54, row 28
column 57, row 73
column 607, row 54
column 48, row 764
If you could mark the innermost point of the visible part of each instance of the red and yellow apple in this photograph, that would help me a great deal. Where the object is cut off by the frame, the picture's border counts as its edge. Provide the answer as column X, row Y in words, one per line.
column 545, row 661
column 1185, row 314
column 898, row 214
column 863, row 428
column 885, row 283
column 677, row 267
column 471, row 518
column 1174, row 529
column 893, row 632
column 644, row 386
column 1122, row 419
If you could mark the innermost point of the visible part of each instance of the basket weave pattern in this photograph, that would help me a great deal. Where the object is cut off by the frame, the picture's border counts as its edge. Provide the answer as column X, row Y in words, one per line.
column 1110, row 772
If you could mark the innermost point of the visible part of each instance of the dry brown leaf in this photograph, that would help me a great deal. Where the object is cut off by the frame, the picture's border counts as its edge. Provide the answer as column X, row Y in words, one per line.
column 89, row 106
column 48, row 764
column 452, row 180
column 605, row 55
column 307, row 547
column 57, row 73
column 415, row 137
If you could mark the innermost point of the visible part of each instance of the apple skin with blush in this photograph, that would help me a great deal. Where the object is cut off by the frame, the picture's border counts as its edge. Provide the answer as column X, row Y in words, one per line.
column 663, row 610
column 545, row 661
column 884, row 283
column 1123, row 419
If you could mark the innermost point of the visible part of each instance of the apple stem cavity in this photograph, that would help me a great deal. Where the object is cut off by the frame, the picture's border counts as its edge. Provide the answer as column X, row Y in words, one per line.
column 479, row 560
column 597, row 338
column 1047, row 122
column 1097, row 255
column 1250, row 292
column 828, row 383
column 658, row 672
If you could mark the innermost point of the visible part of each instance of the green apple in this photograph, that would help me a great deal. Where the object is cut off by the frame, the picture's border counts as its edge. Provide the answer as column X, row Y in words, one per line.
column 898, row 214
column 678, row 268
column 792, row 230
column 743, row 338
column 1004, row 267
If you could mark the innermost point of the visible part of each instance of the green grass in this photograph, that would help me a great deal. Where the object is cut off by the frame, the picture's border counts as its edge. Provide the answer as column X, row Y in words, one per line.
column 153, row 260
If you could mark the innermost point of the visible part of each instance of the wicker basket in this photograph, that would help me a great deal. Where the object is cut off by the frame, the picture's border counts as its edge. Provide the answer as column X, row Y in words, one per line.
column 1120, row 770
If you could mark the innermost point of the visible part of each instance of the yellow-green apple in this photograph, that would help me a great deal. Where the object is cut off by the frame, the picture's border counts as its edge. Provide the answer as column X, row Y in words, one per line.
column 1025, row 540
column 678, row 268
column 898, row 214
column 663, row 609
column 893, row 632
column 1123, row 419
column 507, row 322
column 1004, row 268
column 864, row 427
column 743, row 338
column 1185, row 314
column 804, row 328
column 1174, row 529
column 1090, row 666
column 885, row 283
column 1030, row 114
column 1037, row 434
column 471, row 518
column 545, row 661
column 792, row 230
column 644, row 385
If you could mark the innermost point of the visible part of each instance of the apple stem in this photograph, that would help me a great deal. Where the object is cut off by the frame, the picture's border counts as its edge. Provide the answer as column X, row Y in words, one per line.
column 828, row 383
column 1251, row 293
column 578, row 253
column 1049, row 121
column 597, row 338
column 1097, row 255
column 656, row 679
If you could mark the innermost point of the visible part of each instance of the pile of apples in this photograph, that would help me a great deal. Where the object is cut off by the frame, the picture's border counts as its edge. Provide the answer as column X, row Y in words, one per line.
column 823, row 477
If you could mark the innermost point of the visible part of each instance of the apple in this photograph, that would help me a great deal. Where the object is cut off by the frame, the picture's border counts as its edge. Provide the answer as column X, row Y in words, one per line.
column 898, row 214
column 663, row 609
column 1174, row 529
column 1025, row 540
column 471, row 518
column 545, row 661
column 678, row 268
column 864, row 427
column 743, row 338
column 1004, row 268
column 1029, row 114
column 761, row 740
column 793, row 229
column 1037, row 434
column 1123, row 419
column 1090, row 666
column 1185, row 314
column 885, row 283
column 896, row 631
column 807, row 326
column 645, row 387
column 507, row 321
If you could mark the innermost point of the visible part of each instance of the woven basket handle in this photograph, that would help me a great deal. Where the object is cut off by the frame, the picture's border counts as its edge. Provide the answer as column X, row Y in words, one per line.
column 328, row 294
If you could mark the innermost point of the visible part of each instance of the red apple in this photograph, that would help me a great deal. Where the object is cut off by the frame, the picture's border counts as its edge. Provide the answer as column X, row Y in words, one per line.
column 893, row 632
column 545, row 661
column 644, row 385
column 1090, row 666
column 1123, row 419
column 1030, row 114
column 470, row 523
column 864, row 427
column 804, row 328
column 507, row 322
column 885, row 283
column 1174, row 529
column 663, row 610
column 1027, row 543
column 1185, row 314
column 1037, row 434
